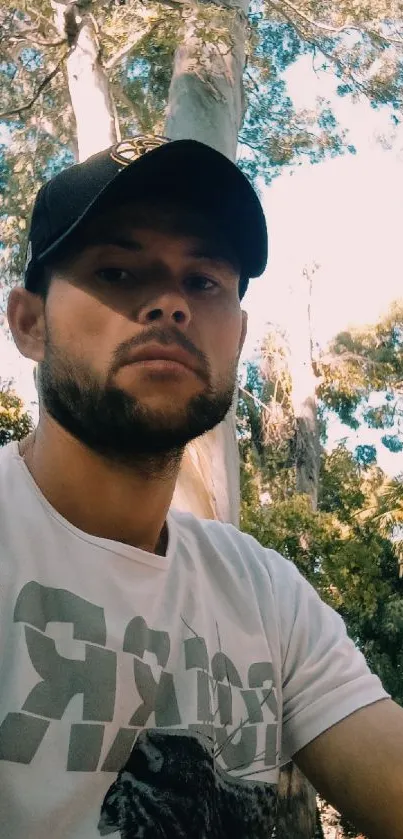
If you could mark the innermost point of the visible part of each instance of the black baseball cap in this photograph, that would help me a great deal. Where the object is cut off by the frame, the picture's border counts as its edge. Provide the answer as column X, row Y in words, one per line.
column 140, row 167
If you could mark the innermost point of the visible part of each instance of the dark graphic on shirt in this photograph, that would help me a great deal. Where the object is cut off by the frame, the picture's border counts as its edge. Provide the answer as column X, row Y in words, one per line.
column 189, row 687
column 171, row 786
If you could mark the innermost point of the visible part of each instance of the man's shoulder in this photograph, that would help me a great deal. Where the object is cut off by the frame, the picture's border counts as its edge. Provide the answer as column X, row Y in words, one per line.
column 226, row 539
column 9, row 457
column 212, row 529
column 10, row 483
column 8, row 454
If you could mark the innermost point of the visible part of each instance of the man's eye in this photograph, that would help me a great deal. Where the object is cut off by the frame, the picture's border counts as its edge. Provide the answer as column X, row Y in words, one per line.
column 114, row 276
column 201, row 283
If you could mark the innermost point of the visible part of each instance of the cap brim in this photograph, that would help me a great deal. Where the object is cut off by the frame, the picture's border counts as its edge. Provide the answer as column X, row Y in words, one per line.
column 192, row 170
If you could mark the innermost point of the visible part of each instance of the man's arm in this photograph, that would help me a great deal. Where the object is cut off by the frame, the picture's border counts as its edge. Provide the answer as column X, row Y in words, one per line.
column 357, row 765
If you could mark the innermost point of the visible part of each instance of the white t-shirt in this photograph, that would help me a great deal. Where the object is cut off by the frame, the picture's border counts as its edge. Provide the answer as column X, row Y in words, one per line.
column 147, row 696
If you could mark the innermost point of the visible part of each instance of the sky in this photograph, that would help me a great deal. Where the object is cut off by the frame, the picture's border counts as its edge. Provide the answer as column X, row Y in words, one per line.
column 345, row 215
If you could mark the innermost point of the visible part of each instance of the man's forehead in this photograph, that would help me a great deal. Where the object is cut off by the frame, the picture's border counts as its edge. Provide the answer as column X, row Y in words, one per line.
column 171, row 214
column 175, row 219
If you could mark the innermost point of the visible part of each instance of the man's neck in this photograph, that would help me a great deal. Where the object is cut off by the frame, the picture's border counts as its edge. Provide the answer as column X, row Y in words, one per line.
column 97, row 495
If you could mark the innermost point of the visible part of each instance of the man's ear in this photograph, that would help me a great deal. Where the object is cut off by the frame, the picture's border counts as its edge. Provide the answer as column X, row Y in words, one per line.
column 26, row 318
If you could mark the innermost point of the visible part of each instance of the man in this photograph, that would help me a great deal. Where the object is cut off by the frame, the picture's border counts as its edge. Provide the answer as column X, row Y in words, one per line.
column 156, row 669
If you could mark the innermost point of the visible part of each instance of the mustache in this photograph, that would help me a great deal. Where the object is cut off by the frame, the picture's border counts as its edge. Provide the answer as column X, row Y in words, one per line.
column 171, row 337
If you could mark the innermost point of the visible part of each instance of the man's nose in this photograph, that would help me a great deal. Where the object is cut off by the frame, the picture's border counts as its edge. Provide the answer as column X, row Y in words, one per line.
column 168, row 308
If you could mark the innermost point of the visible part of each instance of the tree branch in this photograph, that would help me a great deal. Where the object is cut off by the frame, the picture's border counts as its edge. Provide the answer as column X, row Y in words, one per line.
column 45, row 126
column 335, row 360
column 385, row 38
column 124, row 98
column 255, row 85
column 345, row 71
column 109, row 65
column 177, row 4
column 337, row 30
column 48, row 23
column 27, row 36
column 46, row 81
column 334, row 30
column 250, row 145
column 255, row 399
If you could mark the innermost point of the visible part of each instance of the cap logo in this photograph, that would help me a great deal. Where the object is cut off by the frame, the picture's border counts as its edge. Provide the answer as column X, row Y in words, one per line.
column 127, row 151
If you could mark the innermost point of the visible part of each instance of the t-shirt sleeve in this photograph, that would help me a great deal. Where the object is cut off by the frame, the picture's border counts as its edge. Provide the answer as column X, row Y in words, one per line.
column 325, row 677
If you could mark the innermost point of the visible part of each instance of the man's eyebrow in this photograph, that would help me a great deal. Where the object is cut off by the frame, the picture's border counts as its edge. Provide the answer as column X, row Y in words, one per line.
column 215, row 253
column 119, row 241
column 202, row 250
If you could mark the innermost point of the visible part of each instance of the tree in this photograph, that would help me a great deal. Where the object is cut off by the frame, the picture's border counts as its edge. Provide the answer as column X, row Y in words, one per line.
column 388, row 510
column 359, row 377
column 303, row 393
column 342, row 550
column 286, row 412
column 351, row 546
column 15, row 422
column 130, row 52
column 362, row 364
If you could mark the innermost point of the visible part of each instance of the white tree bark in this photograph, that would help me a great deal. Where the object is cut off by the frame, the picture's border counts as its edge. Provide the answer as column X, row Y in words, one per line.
column 206, row 93
column 89, row 88
column 303, row 394
column 88, row 83
column 208, row 482
column 206, row 103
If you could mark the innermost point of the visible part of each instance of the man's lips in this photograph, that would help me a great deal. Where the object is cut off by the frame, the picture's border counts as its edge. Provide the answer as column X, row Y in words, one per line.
column 159, row 353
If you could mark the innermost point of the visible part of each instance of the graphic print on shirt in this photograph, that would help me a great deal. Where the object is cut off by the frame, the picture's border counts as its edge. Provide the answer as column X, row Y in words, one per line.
column 172, row 786
column 185, row 767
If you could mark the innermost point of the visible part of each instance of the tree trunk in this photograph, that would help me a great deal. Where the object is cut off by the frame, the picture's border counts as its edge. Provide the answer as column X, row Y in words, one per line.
column 208, row 484
column 206, row 93
column 206, row 103
column 88, row 83
column 304, row 393
column 89, row 88
column 297, row 796
column 297, row 816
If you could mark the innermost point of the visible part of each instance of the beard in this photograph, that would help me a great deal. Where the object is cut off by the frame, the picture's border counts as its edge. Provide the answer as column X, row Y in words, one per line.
column 117, row 425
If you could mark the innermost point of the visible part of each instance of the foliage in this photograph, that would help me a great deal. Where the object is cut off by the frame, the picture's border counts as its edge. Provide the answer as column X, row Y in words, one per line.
column 365, row 455
column 391, row 503
column 343, row 552
column 359, row 378
column 386, row 508
column 362, row 364
column 15, row 423
column 350, row 549
column 266, row 424
column 340, row 486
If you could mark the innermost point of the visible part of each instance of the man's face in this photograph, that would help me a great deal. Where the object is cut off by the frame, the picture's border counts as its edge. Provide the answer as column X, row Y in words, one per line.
column 144, row 283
